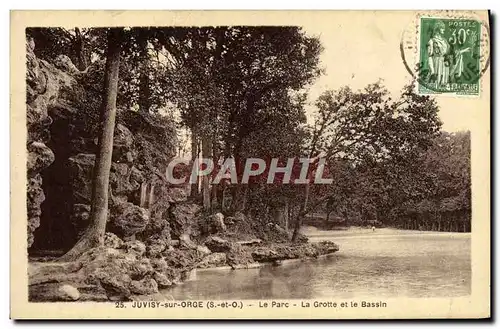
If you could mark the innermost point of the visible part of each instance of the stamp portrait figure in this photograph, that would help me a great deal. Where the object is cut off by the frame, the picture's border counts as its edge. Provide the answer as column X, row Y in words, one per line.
column 437, row 49
column 446, row 52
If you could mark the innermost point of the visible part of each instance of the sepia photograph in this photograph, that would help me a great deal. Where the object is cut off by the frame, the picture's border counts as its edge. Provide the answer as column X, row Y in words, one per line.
column 234, row 166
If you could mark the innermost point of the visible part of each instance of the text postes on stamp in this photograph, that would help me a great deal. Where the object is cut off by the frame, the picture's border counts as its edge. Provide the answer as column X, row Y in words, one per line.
column 449, row 56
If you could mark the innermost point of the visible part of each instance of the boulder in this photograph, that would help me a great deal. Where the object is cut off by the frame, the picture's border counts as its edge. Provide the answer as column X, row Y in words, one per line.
column 203, row 250
column 124, row 181
column 158, row 227
column 113, row 261
column 182, row 217
column 186, row 242
column 189, row 275
column 263, row 254
column 155, row 246
column 136, row 247
column 162, row 280
column 35, row 78
column 217, row 244
column 122, row 143
column 46, row 85
column 115, row 269
column 213, row 260
column 146, row 286
column 181, row 259
column 239, row 257
column 69, row 292
column 308, row 250
column 121, row 182
column 128, row 219
column 163, row 269
column 35, row 197
column 116, row 286
column 292, row 252
column 326, row 247
column 136, row 175
column 39, row 157
column 112, row 241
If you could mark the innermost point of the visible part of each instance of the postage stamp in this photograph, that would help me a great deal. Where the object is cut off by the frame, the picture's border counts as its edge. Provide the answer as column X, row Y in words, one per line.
column 449, row 54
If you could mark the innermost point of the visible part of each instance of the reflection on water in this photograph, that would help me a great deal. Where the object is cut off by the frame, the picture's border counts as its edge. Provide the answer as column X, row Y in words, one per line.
column 412, row 265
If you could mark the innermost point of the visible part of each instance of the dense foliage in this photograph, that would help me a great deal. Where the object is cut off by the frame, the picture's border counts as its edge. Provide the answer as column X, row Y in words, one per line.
column 241, row 92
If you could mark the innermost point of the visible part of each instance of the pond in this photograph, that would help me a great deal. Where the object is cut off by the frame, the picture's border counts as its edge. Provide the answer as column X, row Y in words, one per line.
column 385, row 263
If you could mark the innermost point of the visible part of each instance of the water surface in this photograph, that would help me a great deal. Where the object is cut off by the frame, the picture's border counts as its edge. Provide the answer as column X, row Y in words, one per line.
column 385, row 263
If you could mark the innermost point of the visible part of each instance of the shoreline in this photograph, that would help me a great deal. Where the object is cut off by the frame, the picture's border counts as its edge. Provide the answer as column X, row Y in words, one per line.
column 259, row 265
column 127, row 270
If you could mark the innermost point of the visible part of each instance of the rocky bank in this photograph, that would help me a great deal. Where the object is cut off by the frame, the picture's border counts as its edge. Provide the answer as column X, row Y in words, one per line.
column 128, row 270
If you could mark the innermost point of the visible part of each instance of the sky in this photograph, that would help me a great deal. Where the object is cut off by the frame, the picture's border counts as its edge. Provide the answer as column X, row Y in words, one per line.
column 359, row 50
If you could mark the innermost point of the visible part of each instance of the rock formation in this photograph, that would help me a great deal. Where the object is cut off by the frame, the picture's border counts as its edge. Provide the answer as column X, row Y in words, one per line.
column 61, row 154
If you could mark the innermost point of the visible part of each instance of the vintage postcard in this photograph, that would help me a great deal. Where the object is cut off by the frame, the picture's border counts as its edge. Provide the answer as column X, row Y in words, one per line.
column 250, row 164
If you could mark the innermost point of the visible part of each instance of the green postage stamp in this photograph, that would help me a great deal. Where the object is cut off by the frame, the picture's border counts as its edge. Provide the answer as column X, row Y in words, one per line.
column 450, row 55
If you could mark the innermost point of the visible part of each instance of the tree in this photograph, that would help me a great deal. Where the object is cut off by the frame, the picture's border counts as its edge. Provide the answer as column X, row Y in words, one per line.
column 367, row 128
column 435, row 193
column 94, row 235
column 78, row 44
column 266, row 78
column 233, row 82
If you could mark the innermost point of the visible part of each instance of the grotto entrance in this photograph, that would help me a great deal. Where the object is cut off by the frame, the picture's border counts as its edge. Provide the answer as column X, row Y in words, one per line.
column 56, row 233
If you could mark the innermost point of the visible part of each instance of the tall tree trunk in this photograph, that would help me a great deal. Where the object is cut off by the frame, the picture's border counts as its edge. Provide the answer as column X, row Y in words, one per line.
column 144, row 90
column 298, row 221
column 194, row 156
column 94, row 235
column 244, row 198
column 205, row 180
column 215, row 157
column 303, row 208
column 223, row 198
column 279, row 214
column 82, row 62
